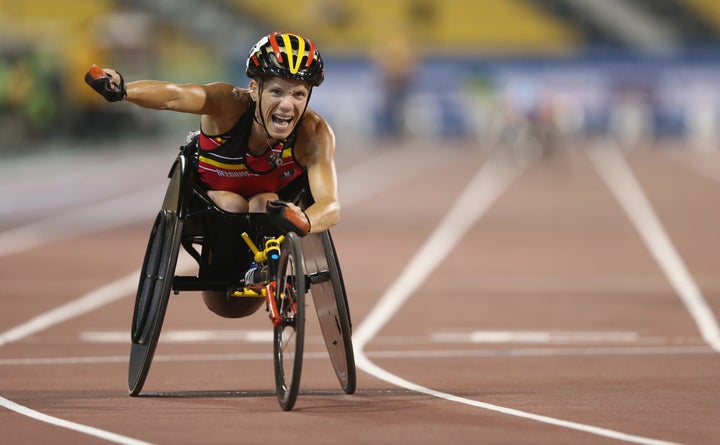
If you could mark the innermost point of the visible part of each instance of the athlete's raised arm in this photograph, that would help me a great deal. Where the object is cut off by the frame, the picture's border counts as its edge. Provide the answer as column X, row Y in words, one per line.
column 210, row 99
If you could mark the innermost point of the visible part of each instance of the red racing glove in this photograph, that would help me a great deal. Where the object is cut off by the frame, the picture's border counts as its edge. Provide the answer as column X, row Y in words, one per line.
column 101, row 82
column 286, row 219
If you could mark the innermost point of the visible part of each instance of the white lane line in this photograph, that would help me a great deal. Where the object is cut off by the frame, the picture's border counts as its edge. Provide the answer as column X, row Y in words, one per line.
column 109, row 214
column 487, row 185
column 474, row 337
column 618, row 176
column 35, row 235
column 266, row 336
column 127, row 285
column 95, row 432
column 382, row 374
column 356, row 186
column 140, row 206
column 542, row 352
column 60, row 180
column 184, row 336
column 698, row 165
column 533, row 337
column 87, row 303
column 95, row 299
column 386, row 354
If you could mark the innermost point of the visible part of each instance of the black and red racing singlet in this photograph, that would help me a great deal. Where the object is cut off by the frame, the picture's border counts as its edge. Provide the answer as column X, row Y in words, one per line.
column 224, row 161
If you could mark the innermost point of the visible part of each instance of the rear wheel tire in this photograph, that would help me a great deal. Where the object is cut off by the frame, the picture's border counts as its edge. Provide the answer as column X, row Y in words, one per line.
column 152, row 296
column 334, row 317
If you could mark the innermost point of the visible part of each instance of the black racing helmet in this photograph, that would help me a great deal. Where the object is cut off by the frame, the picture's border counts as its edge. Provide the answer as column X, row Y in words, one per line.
column 286, row 55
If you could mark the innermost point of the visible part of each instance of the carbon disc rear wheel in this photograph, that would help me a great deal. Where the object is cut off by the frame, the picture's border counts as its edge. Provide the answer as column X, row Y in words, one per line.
column 152, row 296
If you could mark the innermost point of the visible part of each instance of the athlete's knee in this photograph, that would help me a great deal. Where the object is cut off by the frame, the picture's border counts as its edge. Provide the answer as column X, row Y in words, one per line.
column 258, row 202
column 228, row 201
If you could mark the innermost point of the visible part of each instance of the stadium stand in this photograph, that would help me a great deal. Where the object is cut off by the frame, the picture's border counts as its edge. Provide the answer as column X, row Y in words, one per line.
column 62, row 27
column 710, row 9
column 640, row 24
column 448, row 26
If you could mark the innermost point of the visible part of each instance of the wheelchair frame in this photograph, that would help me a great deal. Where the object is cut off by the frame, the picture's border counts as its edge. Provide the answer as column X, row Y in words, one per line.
column 229, row 244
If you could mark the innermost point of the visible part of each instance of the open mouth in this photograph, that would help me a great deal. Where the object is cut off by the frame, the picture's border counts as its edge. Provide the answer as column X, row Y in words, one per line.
column 281, row 122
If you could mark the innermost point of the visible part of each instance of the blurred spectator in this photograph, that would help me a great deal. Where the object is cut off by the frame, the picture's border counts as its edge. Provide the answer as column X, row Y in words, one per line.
column 397, row 61
column 631, row 112
column 29, row 94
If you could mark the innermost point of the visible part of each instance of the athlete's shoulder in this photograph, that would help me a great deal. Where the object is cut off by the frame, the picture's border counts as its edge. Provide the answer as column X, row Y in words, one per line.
column 314, row 124
column 221, row 95
column 316, row 139
column 225, row 105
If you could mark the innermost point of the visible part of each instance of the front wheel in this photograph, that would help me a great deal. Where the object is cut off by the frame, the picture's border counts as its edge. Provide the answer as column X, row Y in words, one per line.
column 289, row 336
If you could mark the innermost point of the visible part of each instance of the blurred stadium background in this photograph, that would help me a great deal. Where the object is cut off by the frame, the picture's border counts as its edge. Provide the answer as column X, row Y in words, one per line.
column 479, row 70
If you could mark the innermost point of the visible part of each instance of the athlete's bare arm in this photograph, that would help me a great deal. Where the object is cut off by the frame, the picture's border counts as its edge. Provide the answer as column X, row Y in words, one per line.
column 220, row 104
column 317, row 152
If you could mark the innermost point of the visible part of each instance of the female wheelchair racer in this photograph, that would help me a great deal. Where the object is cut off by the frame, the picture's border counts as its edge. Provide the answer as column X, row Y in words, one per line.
column 263, row 164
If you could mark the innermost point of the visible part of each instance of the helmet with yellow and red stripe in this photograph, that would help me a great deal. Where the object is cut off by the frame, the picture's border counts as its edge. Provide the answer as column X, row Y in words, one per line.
column 286, row 55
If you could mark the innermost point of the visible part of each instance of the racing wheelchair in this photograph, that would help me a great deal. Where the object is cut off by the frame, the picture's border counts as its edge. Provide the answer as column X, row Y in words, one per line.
column 245, row 259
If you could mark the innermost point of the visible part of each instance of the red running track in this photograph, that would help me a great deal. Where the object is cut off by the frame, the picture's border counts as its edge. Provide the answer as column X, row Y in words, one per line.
column 571, row 301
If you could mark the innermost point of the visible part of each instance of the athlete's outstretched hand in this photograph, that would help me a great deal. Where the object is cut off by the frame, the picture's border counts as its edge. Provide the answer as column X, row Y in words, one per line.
column 108, row 83
column 288, row 217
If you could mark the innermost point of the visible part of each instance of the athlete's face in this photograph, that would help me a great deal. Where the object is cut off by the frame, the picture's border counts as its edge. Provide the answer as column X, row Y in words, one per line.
column 283, row 102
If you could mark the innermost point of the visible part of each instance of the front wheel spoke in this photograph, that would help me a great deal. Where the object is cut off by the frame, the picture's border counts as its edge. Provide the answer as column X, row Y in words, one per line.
column 287, row 339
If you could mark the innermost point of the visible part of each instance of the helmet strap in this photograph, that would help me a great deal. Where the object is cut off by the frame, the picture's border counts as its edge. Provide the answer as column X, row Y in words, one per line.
column 307, row 102
column 258, row 110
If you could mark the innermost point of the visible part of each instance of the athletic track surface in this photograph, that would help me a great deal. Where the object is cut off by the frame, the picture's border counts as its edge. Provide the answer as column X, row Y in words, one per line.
column 494, row 301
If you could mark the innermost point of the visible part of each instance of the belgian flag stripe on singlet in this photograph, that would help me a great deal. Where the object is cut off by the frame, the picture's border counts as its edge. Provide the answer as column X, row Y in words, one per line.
column 223, row 165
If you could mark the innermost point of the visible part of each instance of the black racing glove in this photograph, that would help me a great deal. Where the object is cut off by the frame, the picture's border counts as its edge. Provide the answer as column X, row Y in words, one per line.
column 101, row 82
column 286, row 219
